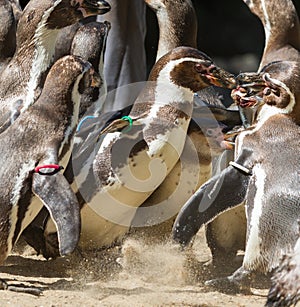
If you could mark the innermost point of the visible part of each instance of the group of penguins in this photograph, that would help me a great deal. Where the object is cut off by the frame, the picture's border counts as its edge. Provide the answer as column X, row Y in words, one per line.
column 73, row 176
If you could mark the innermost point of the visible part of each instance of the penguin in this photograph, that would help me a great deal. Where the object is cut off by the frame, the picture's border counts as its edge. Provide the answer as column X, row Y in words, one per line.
column 282, row 38
column 227, row 233
column 160, row 118
column 41, row 144
column 89, row 42
column 282, row 29
column 177, row 186
column 265, row 174
column 7, row 33
column 22, row 79
column 177, row 27
column 284, row 289
column 151, row 130
column 106, row 190
column 251, row 86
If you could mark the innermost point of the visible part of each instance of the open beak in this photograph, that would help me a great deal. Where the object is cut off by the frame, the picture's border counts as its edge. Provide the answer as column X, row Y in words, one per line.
column 94, row 7
column 249, row 90
column 244, row 99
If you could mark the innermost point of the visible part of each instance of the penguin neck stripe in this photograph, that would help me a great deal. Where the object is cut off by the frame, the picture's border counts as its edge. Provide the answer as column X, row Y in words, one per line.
column 55, row 167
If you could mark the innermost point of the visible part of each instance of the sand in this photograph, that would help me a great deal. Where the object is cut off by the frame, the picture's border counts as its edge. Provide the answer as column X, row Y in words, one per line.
column 136, row 274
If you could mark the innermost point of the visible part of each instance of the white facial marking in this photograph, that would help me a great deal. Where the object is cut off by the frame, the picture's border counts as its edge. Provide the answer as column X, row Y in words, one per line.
column 167, row 91
column 289, row 108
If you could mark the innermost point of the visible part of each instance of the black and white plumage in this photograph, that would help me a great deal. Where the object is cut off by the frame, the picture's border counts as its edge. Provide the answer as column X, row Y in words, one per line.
column 158, row 115
column 282, row 38
column 22, row 78
column 265, row 174
column 43, row 136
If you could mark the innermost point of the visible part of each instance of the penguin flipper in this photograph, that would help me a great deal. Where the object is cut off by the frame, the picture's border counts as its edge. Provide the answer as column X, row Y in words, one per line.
column 57, row 196
column 220, row 193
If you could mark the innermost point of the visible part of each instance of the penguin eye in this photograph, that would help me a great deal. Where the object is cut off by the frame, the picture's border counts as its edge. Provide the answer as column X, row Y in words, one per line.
column 267, row 91
column 250, row 92
column 212, row 68
column 200, row 68
column 276, row 92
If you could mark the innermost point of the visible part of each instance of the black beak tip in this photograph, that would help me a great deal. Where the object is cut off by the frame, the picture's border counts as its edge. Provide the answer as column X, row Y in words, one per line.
column 104, row 6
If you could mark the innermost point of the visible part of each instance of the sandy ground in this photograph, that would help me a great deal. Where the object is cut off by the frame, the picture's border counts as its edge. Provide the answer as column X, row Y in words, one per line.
column 134, row 275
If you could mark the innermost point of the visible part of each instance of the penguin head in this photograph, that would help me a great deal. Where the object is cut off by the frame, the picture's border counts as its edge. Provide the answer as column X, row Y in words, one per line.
column 276, row 85
column 57, row 14
column 76, row 75
column 281, row 84
column 192, row 69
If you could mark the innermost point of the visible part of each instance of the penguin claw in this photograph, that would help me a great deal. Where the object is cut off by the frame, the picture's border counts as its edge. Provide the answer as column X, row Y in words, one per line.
column 238, row 282
column 225, row 285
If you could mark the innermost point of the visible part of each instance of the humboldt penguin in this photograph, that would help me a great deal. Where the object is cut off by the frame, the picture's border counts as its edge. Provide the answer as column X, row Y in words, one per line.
column 178, row 27
column 282, row 29
column 129, row 166
column 177, row 23
column 227, row 233
column 282, row 37
column 155, row 138
column 22, row 79
column 265, row 174
column 188, row 173
column 89, row 42
column 41, row 144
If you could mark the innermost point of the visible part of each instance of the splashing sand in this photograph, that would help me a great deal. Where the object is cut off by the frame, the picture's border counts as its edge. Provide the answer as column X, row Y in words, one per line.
column 136, row 274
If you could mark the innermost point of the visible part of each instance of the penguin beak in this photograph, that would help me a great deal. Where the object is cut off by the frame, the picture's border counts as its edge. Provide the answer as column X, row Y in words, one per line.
column 94, row 7
column 219, row 77
column 116, row 125
column 96, row 80
column 249, row 91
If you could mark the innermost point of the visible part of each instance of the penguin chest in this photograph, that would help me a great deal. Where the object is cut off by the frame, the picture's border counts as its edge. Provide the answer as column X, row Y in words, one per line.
column 254, row 209
column 272, row 210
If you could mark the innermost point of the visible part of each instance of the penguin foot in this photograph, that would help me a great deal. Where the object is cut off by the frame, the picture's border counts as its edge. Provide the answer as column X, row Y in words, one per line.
column 44, row 244
column 23, row 289
column 238, row 282
column 20, row 288
column 51, row 246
